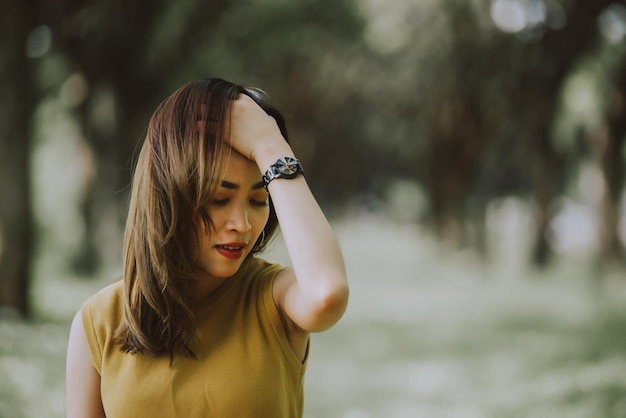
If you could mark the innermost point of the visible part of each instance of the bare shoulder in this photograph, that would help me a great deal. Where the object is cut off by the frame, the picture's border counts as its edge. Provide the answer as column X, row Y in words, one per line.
column 82, row 378
column 283, row 284
column 283, row 280
column 298, row 338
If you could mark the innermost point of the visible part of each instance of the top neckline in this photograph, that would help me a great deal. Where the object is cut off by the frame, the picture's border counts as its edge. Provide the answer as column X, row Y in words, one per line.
column 209, row 302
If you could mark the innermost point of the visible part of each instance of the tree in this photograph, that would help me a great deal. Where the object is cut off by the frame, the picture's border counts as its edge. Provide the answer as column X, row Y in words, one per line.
column 18, row 97
column 547, row 65
column 607, row 147
column 112, row 45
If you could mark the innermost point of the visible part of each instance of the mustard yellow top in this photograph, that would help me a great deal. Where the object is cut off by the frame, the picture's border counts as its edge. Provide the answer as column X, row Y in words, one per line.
column 245, row 366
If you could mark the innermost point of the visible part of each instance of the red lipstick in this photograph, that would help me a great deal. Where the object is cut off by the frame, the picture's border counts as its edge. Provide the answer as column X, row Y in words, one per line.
column 232, row 250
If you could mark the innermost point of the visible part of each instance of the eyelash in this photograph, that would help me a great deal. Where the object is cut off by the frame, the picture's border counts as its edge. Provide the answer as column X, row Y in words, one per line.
column 257, row 203
column 221, row 202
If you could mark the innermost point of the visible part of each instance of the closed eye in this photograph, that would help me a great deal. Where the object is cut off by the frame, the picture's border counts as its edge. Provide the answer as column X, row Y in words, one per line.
column 220, row 202
column 259, row 203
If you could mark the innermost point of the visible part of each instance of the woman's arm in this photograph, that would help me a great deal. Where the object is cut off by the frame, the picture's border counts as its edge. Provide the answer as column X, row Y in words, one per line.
column 315, row 294
column 82, row 379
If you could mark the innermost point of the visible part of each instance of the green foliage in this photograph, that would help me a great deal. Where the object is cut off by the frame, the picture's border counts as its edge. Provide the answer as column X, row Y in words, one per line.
column 428, row 91
column 606, row 336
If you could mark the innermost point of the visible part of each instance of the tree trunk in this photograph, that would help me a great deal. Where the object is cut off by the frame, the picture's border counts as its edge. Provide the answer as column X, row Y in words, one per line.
column 18, row 99
column 111, row 55
column 540, row 83
column 547, row 175
column 609, row 152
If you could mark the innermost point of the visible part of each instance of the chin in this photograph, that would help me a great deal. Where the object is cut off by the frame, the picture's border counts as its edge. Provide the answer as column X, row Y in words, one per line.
column 225, row 271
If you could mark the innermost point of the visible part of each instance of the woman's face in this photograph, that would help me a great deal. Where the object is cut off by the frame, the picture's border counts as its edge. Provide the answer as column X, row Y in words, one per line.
column 239, row 214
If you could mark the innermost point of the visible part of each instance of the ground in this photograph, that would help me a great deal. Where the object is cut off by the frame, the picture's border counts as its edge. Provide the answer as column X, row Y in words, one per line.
column 428, row 333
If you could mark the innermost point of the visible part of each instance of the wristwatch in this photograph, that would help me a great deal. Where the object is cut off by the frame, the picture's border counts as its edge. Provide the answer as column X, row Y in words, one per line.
column 283, row 168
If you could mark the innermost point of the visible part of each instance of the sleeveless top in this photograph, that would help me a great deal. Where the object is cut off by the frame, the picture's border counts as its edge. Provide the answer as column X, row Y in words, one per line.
column 245, row 366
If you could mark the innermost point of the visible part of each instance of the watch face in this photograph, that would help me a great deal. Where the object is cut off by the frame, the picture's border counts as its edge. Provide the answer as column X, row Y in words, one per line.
column 289, row 169
column 286, row 167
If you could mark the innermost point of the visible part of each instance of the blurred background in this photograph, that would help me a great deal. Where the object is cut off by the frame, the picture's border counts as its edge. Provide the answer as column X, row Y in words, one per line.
column 470, row 154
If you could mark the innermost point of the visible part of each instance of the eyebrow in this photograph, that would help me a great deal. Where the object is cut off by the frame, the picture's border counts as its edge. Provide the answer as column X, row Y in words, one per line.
column 234, row 186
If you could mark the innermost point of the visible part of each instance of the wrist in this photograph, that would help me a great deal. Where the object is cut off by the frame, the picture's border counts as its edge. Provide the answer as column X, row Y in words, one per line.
column 268, row 155
column 284, row 168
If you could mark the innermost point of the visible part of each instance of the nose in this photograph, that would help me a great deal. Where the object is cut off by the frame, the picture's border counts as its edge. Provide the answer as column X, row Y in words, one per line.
column 238, row 220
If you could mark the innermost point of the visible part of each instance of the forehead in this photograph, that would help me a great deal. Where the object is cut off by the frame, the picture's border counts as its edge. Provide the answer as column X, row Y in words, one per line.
column 241, row 171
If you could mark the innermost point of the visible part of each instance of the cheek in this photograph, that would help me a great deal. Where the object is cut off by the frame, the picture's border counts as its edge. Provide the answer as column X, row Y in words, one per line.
column 259, row 219
column 201, row 246
column 218, row 216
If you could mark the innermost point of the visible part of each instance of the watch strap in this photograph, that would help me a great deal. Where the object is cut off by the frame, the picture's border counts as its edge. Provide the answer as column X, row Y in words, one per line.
column 285, row 168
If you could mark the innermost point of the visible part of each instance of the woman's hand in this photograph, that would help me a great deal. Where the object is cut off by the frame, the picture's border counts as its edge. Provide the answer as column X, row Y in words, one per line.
column 254, row 132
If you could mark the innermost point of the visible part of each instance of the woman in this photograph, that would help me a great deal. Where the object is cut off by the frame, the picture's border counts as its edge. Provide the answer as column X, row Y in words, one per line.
column 198, row 326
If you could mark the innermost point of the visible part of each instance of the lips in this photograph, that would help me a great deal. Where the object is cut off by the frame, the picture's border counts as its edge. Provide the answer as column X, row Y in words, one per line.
column 232, row 250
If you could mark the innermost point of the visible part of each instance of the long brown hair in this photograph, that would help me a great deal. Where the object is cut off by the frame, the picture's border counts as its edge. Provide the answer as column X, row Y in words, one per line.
column 178, row 172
